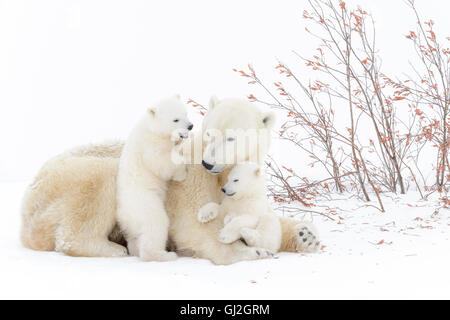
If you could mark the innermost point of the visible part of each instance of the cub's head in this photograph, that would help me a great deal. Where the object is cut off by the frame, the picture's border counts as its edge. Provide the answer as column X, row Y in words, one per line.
column 169, row 116
column 244, row 180
column 234, row 131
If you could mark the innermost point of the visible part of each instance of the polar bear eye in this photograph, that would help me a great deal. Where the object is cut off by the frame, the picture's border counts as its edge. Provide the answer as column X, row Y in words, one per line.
column 235, row 180
column 230, row 139
column 176, row 120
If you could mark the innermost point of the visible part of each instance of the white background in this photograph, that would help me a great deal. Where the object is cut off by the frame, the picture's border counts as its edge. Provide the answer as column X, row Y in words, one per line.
column 73, row 72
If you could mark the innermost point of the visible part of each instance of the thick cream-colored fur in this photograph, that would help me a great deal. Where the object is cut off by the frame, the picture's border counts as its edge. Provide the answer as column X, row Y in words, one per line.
column 70, row 207
column 146, row 164
column 75, row 195
column 201, row 187
column 246, row 210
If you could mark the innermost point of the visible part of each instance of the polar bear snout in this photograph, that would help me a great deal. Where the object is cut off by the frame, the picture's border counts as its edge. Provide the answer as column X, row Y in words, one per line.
column 228, row 192
column 207, row 165
column 213, row 169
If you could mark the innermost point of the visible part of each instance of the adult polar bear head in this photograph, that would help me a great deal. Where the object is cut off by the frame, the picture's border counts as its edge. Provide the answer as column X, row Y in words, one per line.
column 227, row 118
column 234, row 131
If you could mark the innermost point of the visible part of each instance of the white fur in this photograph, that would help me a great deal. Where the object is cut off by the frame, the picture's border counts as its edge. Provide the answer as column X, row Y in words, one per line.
column 247, row 212
column 146, row 164
column 242, row 134
column 71, row 205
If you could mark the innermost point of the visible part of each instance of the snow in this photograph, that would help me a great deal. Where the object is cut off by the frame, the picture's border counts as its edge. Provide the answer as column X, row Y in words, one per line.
column 413, row 262
column 66, row 64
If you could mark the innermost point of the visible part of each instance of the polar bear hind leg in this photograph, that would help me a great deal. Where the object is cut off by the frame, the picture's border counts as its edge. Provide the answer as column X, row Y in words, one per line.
column 267, row 234
column 69, row 207
column 144, row 220
column 252, row 237
column 226, row 254
column 232, row 230
column 299, row 236
column 82, row 234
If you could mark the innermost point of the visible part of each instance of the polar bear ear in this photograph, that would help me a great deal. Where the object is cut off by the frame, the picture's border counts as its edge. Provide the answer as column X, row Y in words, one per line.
column 213, row 102
column 177, row 96
column 269, row 119
column 151, row 111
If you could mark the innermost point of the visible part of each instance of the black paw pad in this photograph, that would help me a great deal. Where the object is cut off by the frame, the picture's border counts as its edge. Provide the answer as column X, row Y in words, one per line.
column 257, row 252
column 304, row 239
column 301, row 234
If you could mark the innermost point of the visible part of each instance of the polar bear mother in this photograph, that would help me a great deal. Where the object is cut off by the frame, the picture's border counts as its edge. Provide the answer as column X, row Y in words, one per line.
column 71, row 205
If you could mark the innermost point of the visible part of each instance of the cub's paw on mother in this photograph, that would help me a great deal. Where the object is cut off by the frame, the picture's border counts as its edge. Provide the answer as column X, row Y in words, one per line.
column 208, row 212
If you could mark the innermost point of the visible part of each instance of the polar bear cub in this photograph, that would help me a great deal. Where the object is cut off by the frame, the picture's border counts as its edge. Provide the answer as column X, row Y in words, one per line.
column 246, row 210
column 146, row 165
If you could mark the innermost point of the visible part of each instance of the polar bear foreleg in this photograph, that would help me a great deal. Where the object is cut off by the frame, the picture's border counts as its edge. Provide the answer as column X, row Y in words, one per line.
column 208, row 212
column 83, row 231
column 90, row 247
column 231, row 232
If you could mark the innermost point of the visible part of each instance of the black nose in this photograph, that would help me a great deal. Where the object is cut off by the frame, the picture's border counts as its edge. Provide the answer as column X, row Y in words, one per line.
column 190, row 127
column 207, row 165
column 223, row 190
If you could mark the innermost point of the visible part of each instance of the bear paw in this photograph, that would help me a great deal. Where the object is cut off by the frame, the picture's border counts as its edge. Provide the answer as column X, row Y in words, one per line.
column 208, row 212
column 178, row 135
column 118, row 251
column 263, row 253
column 227, row 237
column 251, row 236
column 228, row 218
column 158, row 256
column 307, row 237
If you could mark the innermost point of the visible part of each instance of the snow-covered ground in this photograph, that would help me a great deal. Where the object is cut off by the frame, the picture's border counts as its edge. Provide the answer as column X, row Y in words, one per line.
column 404, row 253
column 73, row 72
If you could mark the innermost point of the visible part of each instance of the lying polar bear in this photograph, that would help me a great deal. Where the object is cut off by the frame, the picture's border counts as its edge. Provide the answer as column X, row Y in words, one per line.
column 146, row 164
column 246, row 210
column 71, row 205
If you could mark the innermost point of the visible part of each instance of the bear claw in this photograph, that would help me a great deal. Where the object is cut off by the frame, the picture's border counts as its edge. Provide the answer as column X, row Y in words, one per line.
column 308, row 239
